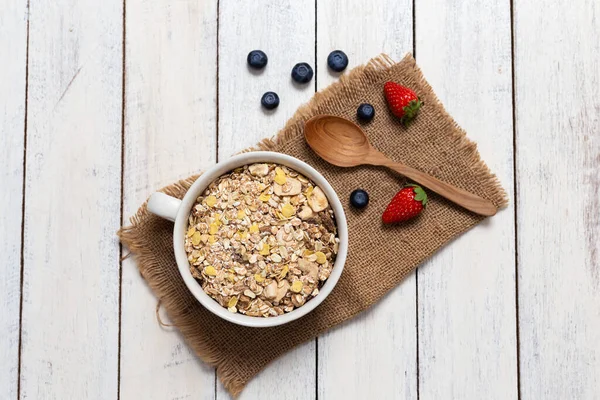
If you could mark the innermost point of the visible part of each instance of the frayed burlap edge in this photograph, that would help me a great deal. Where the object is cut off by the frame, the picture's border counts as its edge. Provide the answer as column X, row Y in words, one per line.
column 359, row 78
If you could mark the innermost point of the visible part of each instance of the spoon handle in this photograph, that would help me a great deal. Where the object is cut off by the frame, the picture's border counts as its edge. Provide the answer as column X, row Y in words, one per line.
column 461, row 197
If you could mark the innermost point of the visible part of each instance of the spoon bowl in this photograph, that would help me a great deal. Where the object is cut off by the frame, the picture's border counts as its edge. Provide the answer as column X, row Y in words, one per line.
column 343, row 143
column 338, row 141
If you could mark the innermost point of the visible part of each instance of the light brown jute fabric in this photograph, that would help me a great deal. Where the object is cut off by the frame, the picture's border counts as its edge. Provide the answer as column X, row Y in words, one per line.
column 379, row 257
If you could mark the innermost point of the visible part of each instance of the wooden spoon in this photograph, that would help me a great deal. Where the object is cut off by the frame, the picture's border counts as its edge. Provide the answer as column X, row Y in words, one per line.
column 343, row 143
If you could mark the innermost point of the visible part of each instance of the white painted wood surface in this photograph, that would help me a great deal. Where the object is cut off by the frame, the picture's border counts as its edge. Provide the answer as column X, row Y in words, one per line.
column 170, row 132
column 13, row 47
column 558, row 208
column 72, row 204
column 458, row 319
column 466, row 292
column 286, row 33
column 375, row 354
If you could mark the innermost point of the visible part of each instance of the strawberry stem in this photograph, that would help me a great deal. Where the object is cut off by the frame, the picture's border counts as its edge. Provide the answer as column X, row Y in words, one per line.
column 420, row 194
column 411, row 110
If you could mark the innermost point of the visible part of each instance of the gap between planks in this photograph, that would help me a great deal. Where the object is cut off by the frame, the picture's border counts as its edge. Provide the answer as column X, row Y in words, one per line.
column 417, row 369
column 515, row 193
column 22, row 255
column 122, row 184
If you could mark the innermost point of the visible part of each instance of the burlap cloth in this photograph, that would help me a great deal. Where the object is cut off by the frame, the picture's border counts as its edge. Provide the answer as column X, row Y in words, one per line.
column 379, row 257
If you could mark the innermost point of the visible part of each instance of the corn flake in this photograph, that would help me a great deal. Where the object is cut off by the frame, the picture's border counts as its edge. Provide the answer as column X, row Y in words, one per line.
column 288, row 210
column 210, row 201
column 254, row 228
column 321, row 259
column 296, row 286
column 196, row 238
column 210, row 271
column 265, row 249
column 264, row 197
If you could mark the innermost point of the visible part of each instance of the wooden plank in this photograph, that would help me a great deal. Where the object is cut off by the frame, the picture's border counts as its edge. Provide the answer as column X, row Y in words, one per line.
column 287, row 35
column 374, row 355
column 558, row 159
column 72, row 204
column 171, row 67
column 466, row 292
column 13, row 47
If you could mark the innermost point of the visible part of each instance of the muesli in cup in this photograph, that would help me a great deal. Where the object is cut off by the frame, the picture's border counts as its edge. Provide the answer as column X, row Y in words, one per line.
column 261, row 240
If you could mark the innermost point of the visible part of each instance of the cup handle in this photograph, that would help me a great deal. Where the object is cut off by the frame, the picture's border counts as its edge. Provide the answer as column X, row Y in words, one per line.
column 164, row 206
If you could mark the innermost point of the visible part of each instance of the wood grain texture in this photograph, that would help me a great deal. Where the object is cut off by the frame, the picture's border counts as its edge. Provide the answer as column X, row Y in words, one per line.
column 286, row 33
column 558, row 172
column 374, row 355
column 13, row 46
column 466, row 292
column 71, row 253
column 170, row 132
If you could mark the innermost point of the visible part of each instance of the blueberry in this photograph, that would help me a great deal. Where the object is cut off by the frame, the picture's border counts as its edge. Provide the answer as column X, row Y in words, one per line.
column 365, row 112
column 257, row 59
column 359, row 198
column 270, row 100
column 337, row 60
column 302, row 73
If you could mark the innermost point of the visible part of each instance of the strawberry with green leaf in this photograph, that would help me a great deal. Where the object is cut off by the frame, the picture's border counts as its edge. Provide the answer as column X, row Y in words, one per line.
column 406, row 204
column 403, row 102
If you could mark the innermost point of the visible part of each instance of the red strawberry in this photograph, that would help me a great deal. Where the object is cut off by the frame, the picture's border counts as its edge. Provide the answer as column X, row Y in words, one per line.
column 403, row 102
column 406, row 204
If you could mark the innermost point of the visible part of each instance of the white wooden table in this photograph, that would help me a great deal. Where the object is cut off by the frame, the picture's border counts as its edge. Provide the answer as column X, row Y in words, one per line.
column 102, row 102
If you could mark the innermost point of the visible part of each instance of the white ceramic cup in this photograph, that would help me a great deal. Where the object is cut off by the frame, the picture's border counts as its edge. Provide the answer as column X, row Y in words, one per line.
column 179, row 210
